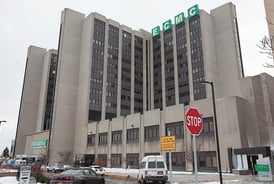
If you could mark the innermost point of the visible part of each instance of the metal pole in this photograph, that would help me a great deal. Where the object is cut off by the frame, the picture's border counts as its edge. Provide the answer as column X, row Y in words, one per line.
column 170, row 163
column 195, row 159
column 216, row 133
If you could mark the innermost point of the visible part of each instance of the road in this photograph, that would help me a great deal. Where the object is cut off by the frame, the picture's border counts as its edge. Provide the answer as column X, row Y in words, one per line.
column 121, row 181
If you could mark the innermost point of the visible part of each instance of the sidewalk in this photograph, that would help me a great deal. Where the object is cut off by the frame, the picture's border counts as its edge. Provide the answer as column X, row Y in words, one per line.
column 184, row 177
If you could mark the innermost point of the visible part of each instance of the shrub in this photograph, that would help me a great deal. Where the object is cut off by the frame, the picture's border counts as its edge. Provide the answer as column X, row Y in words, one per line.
column 42, row 178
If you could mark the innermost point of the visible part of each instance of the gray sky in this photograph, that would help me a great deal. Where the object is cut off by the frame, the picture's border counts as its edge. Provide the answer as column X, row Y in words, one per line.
column 36, row 22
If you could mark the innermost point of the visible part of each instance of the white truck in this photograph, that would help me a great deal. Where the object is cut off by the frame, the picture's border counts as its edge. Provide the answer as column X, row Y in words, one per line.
column 153, row 169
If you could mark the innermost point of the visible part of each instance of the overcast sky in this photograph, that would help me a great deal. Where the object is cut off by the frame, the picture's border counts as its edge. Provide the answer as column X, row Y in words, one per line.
column 36, row 22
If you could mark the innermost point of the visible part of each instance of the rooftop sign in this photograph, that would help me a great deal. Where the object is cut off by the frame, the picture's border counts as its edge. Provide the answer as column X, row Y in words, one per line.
column 178, row 20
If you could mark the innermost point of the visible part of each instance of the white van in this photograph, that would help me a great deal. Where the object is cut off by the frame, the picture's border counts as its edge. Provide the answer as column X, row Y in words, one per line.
column 20, row 162
column 153, row 169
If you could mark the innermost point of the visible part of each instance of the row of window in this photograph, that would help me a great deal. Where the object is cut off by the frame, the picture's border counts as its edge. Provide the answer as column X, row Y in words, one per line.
column 151, row 133
column 206, row 160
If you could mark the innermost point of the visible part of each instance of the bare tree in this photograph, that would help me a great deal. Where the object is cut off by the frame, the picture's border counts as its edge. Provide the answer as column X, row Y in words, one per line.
column 66, row 156
column 266, row 46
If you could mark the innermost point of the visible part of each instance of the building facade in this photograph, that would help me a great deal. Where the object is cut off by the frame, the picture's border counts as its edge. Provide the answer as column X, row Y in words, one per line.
column 269, row 10
column 110, row 93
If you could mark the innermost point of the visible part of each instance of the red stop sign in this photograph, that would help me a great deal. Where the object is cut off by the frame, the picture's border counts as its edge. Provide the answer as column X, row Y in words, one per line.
column 194, row 121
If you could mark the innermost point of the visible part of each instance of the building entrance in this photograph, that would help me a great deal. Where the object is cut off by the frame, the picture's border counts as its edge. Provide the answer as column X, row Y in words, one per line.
column 251, row 161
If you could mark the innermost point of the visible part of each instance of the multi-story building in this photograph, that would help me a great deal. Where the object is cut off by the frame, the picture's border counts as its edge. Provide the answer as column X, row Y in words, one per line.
column 110, row 93
column 269, row 10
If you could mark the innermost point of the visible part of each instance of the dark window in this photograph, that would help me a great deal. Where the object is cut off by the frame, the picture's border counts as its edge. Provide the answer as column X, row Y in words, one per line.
column 116, row 137
column 207, row 161
column 91, row 140
column 97, row 67
column 103, row 138
column 169, row 68
column 151, row 165
column 116, row 160
column 178, row 161
column 133, row 135
column 50, row 92
column 208, row 126
column 152, row 133
column 197, row 58
column 176, row 129
column 132, row 160
column 157, row 72
column 102, row 160
column 160, row 165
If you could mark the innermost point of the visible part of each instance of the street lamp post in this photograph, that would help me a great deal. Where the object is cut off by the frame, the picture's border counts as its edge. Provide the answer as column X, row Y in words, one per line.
column 216, row 129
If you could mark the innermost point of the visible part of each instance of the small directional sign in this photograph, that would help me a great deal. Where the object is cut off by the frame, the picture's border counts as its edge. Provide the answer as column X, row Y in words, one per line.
column 261, row 168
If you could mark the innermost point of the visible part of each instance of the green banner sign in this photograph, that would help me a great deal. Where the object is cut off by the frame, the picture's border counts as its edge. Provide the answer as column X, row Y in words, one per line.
column 39, row 144
column 261, row 168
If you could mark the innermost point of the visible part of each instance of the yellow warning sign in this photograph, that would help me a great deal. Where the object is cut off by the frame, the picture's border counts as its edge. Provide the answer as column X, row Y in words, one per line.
column 168, row 143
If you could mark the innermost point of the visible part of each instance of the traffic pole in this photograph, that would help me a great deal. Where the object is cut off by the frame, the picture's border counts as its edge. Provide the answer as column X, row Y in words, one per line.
column 195, row 159
column 170, row 163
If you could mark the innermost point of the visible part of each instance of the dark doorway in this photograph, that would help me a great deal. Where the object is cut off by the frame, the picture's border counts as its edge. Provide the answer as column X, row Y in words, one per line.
column 251, row 161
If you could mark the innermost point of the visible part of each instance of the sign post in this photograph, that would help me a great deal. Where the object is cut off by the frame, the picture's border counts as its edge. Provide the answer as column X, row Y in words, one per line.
column 194, row 123
column 167, row 144
column 25, row 174
column 263, row 167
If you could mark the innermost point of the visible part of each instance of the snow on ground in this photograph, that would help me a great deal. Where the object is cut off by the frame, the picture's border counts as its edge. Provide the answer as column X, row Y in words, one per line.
column 8, row 180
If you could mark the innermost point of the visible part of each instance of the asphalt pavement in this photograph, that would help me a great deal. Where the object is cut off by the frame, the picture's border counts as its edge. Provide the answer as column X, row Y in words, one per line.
column 211, row 178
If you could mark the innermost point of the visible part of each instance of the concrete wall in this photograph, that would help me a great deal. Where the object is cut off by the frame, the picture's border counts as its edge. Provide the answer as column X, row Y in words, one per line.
column 30, row 97
column 33, row 138
column 66, row 94
column 227, row 50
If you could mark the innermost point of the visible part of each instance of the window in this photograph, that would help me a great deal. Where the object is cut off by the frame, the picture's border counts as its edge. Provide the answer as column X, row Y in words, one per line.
column 160, row 165
column 102, row 160
column 208, row 126
column 116, row 160
column 132, row 160
column 103, row 138
column 133, row 135
column 91, row 140
column 207, row 160
column 116, row 137
column 151, row 165
column 178, row 161
column 176, row 129
column 152, row 133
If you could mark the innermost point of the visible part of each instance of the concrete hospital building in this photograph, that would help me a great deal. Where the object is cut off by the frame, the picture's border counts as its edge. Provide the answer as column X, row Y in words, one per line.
column 109, row 93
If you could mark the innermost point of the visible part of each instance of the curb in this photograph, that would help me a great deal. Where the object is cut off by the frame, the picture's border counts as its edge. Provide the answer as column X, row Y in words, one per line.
column 121, row 177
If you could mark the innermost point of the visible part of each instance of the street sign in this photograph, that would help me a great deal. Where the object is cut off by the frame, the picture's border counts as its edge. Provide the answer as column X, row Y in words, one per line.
column 168, row 143
column 263, row 167
column 194, row 121
column 25, row 174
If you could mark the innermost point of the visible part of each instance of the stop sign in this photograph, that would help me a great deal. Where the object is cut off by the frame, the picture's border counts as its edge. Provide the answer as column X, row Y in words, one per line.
column 194, row 121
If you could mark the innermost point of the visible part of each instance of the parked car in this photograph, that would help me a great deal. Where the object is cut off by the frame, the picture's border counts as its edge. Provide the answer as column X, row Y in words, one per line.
column 20, row 162
column 78, row 175
column 153, row 169
column 57, row 167
column 98, row 169
column 67, row 166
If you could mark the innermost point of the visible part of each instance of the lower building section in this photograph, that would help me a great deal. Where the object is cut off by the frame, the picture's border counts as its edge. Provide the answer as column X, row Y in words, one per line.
column 122, row 142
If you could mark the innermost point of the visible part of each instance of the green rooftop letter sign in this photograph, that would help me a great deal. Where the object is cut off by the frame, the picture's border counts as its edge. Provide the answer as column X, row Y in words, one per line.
column 155, row 31
column 179, row 19
column 167, row 25
column 193, row 11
